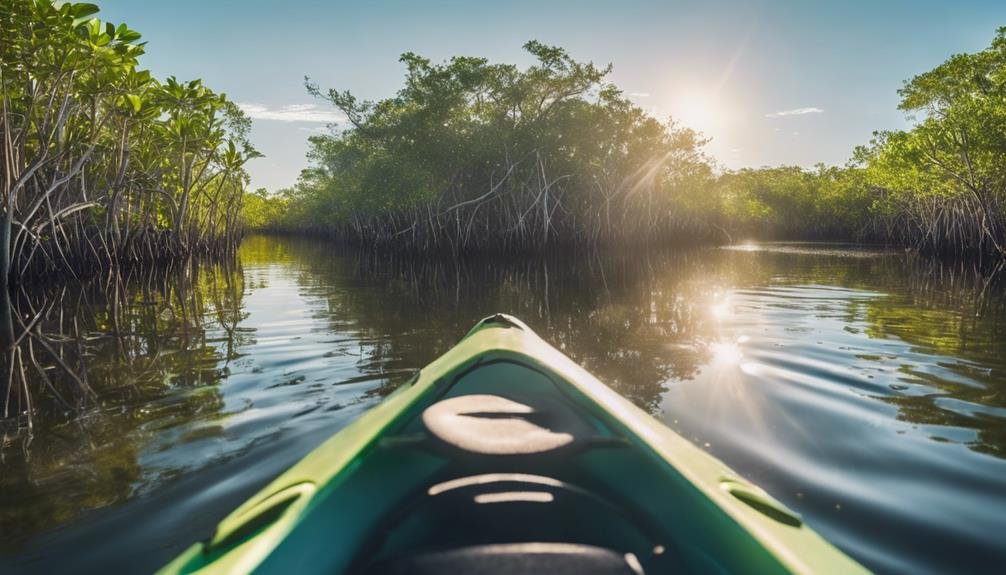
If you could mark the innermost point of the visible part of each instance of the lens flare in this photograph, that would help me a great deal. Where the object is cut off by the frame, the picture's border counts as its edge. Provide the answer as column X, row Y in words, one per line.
column 722, row 308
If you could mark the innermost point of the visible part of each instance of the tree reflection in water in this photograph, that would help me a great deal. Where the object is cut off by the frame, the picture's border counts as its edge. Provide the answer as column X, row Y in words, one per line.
column 136, row 380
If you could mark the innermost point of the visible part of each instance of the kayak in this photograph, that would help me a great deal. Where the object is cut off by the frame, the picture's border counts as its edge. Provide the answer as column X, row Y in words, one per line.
column 505, row 456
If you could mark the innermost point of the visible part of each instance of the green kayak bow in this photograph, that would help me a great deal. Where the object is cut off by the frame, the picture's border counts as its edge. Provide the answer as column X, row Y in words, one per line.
column 504, row 456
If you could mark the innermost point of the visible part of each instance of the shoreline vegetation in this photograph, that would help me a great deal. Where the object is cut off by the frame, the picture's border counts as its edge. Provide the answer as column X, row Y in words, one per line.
column 104, row 165
column 474, row 156
column 104, row 168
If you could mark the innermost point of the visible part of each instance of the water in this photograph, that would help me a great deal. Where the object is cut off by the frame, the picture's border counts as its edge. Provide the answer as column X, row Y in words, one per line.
column 864, row 389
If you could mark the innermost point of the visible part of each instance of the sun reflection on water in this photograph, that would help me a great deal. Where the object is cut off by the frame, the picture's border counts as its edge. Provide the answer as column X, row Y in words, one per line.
column 726, row 352
column 721, row 309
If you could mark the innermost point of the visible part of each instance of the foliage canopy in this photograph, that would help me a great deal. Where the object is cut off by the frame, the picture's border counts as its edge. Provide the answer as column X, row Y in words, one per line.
column 471, row 154
column 102, row 161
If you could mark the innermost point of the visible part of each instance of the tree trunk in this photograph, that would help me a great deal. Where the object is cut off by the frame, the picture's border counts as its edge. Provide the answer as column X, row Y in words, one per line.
column 6, row 224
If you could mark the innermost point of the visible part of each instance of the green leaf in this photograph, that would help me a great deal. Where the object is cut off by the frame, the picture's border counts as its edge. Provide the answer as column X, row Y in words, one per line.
column 135, row 101
column 83, row 10
column 129, row 36
column 90, row 22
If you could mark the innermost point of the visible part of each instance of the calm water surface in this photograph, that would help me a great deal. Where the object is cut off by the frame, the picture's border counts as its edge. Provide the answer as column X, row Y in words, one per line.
column 864, row 389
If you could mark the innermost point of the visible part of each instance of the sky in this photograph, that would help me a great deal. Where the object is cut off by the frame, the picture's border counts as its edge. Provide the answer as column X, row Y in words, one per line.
column 770, row 82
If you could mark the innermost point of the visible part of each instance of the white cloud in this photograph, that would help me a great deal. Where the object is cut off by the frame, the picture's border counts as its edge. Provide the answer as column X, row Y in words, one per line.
column 639, row 94
column 292, row 113
column 795, row 112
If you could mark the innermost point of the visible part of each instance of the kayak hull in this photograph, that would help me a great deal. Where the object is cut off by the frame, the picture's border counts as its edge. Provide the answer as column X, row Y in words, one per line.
column 527, row 429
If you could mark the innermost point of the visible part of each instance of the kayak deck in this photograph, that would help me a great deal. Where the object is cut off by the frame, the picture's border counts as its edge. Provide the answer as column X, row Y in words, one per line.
column 518, row 479
column 505, row 457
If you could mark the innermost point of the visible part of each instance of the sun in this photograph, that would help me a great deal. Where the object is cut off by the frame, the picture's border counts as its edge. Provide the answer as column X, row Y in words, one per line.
column 698, row 109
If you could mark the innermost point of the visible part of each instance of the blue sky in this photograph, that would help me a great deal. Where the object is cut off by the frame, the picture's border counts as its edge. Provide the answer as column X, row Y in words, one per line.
column 770, row 81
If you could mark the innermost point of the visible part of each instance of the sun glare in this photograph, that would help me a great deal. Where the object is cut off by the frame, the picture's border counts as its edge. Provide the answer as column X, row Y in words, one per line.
column 699, row 110
column 721, row 309
column 725, row 352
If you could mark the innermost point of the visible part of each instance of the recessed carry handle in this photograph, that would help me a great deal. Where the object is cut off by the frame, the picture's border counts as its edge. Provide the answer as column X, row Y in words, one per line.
column 761, row 502
column 264, row 514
